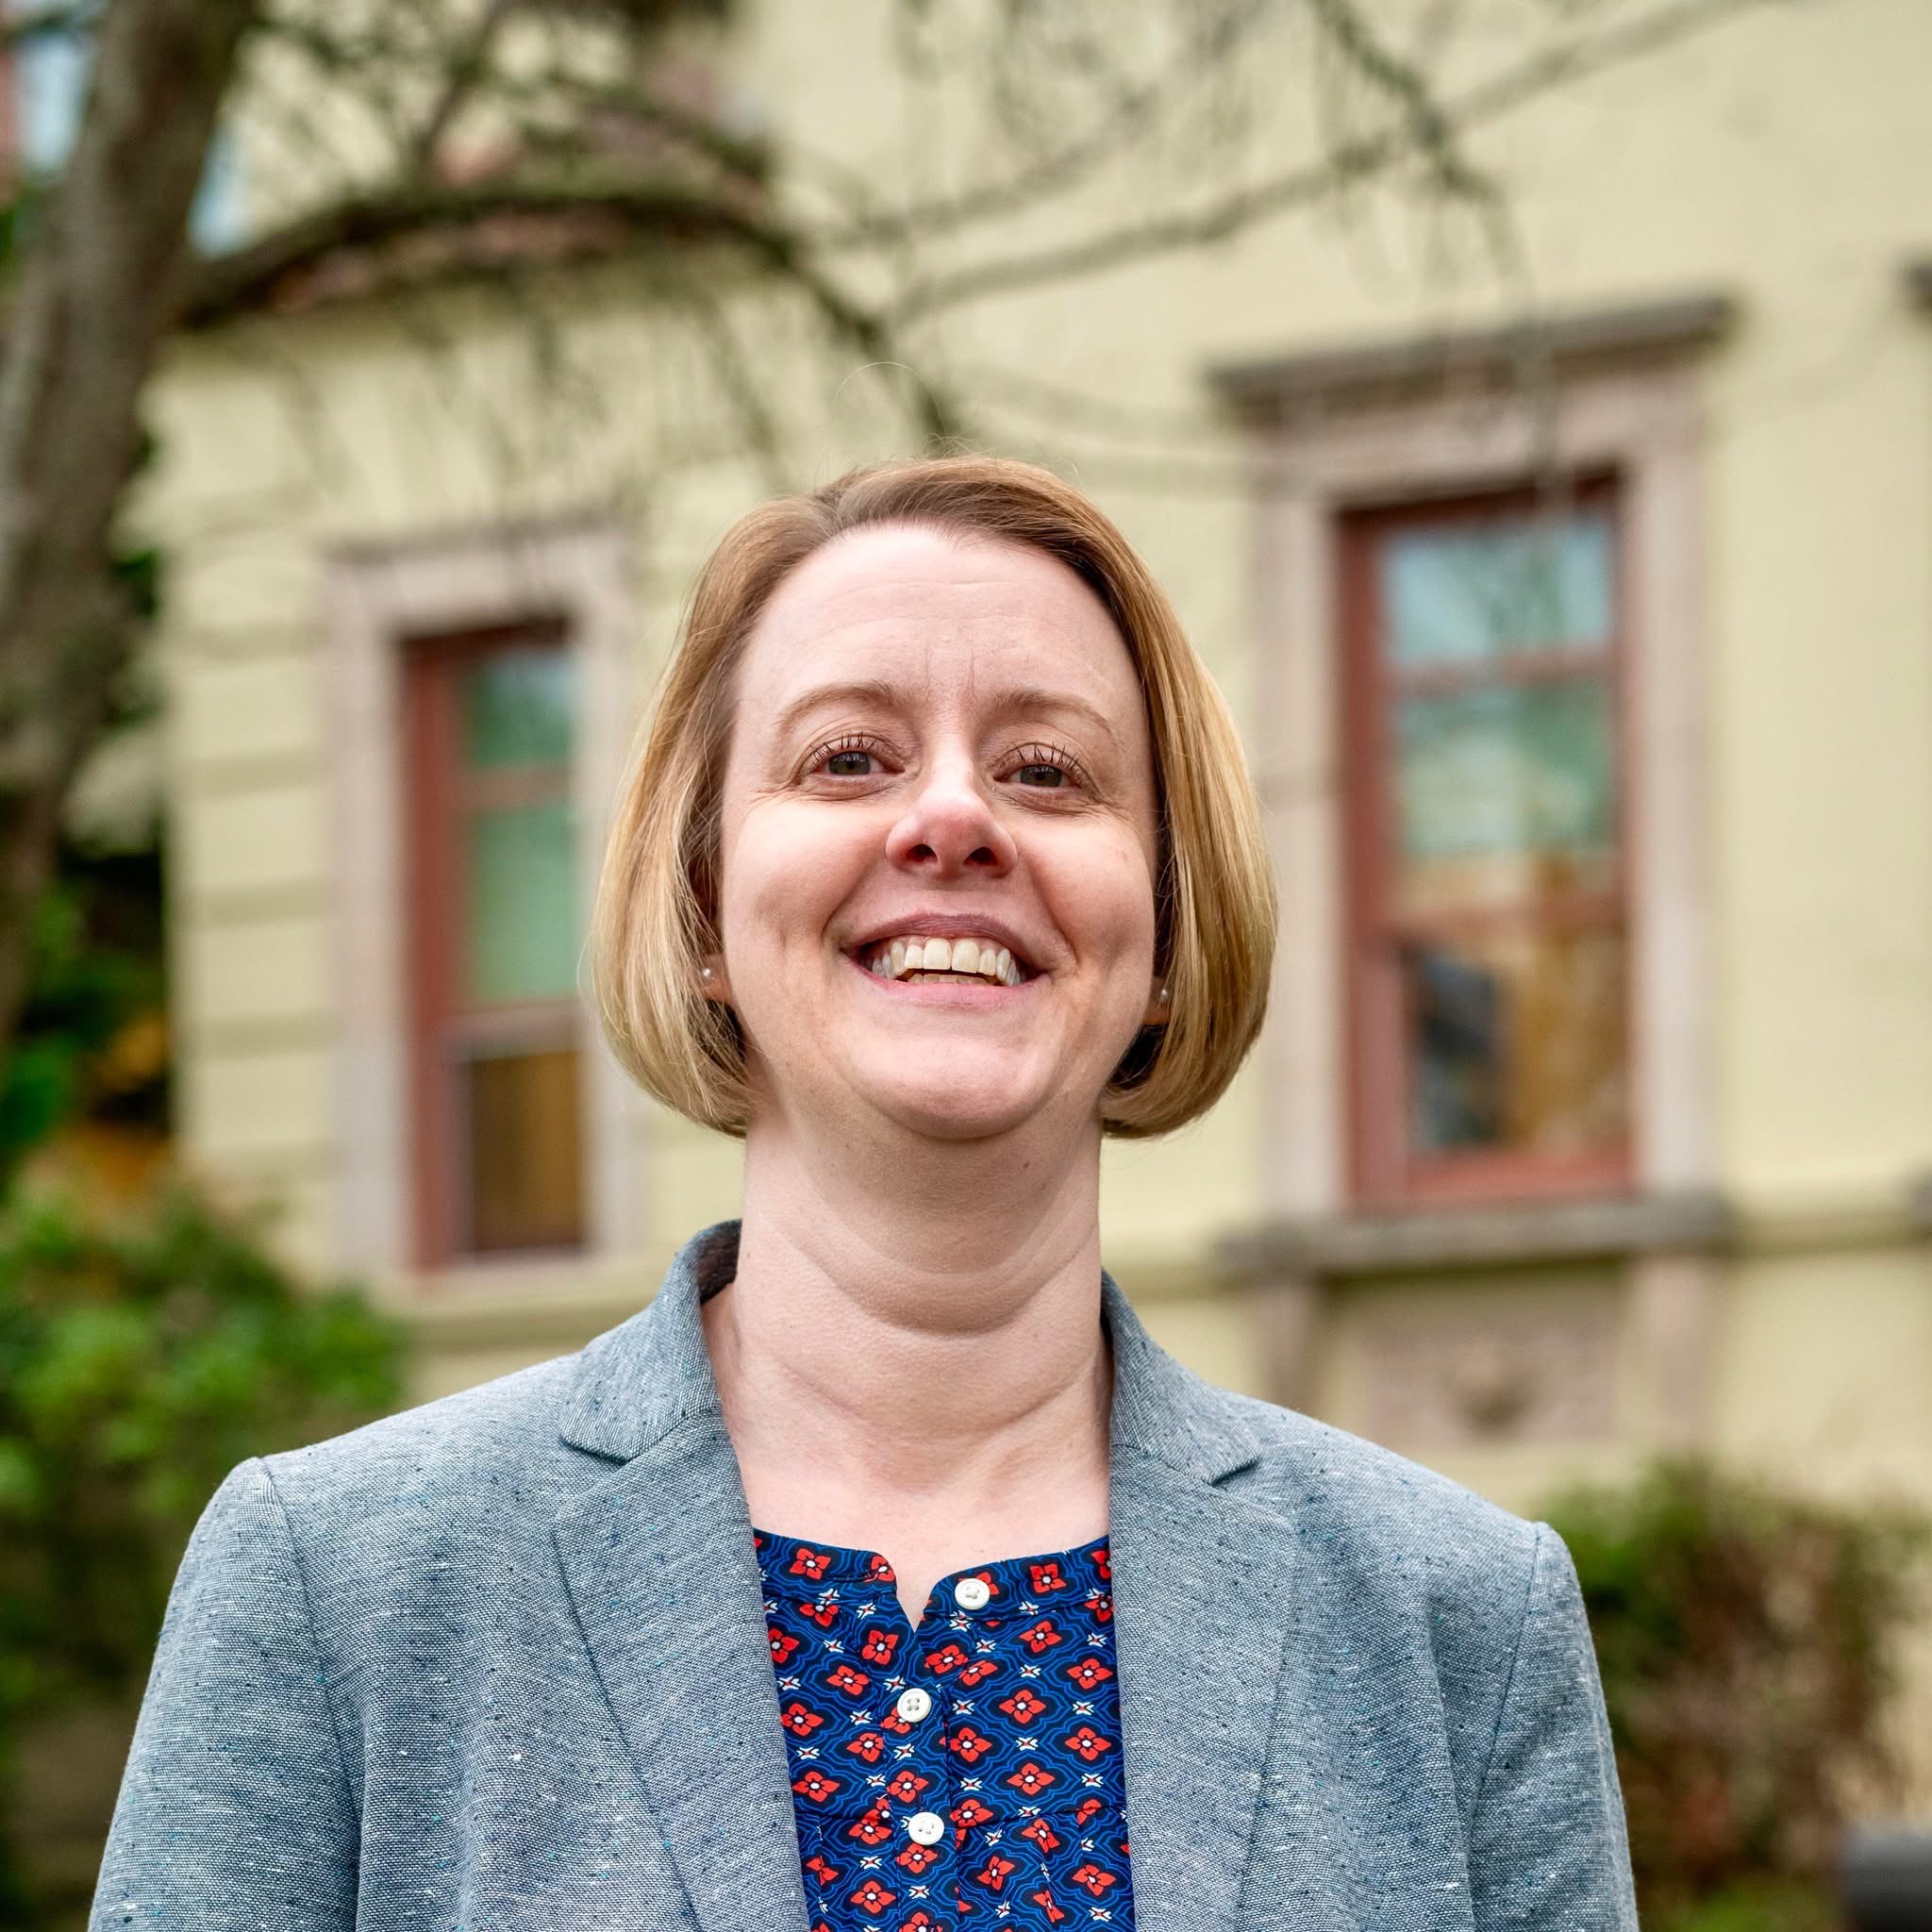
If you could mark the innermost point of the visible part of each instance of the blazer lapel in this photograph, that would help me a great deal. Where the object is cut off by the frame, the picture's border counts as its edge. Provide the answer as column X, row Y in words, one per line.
column 1202, row 1602
column 661, row 1570
column 660, row 1563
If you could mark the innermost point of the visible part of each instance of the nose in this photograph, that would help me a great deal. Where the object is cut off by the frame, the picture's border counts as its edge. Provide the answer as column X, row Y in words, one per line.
column 951, row 829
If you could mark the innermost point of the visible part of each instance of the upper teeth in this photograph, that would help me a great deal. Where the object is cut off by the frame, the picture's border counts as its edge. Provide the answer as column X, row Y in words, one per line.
column 986, row 958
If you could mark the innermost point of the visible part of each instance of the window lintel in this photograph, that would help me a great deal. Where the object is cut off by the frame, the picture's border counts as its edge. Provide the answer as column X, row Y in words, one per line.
column 1357, row 376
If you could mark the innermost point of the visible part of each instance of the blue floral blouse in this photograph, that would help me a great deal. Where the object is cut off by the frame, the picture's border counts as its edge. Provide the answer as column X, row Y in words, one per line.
column 967, row 1772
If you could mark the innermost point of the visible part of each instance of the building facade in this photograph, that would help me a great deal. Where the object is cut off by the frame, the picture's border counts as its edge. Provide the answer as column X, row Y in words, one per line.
column 1580, row 621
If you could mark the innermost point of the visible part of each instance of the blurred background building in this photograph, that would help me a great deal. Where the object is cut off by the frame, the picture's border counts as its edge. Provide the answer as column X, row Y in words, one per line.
column 1584, row 651
column 1563, row 540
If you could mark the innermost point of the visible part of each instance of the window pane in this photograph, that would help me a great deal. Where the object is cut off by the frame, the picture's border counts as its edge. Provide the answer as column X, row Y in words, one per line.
column 1516, row 1043
column 1461, row 593
column 520, row 708
column 526, row 1184
column 1503, row 792
column 522, row 902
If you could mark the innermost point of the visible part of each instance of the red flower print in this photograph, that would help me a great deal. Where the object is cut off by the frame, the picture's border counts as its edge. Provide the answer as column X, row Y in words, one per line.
column 967, row 1745
column 1087, row 1743
column 880, row 1570
column 915, row 1859
column 879, row 1646
column 996, row 1873
column 1032, row 1778
column 1043, row 1636
column 977, row 1672
column 1023, row 1706
column 895, row 1723
column 822, row 1868
column 985, row 1576
column 871, row 1898
column 1103, row 1563
column 1102, row 1607
column 872, row 1829
column 1086, row 1809
column 816, row 1786
column 1087, row 1672
column 1043, row 1899
column 846, row 1679
column 921, row 1921
column 906, row 1785
column 824, row 1615
column 1046, row 1578
column 868, row 1745
column 800, row 1720
column 783, row 1645
column 812, row 1563
column 1094, row 1878
column 969, row 1812
column 948, row 1656
column 1044, row 1835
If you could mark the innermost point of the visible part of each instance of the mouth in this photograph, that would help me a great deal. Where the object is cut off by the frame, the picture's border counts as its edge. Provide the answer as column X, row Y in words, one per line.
column 912, row 959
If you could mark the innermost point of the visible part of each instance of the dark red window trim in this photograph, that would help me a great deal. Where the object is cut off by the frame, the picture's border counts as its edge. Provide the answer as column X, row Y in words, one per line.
column 1382, row 1172
column 435, row 789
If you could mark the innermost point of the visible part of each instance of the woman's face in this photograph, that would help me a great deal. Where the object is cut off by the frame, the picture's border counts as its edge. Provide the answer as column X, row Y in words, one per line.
column 936, row 737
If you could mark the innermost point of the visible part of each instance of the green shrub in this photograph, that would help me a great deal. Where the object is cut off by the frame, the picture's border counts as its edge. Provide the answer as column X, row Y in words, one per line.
column 1748, row 1641
column 139, row 1361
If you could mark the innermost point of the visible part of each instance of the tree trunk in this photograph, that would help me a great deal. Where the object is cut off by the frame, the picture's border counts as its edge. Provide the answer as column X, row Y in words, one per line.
column 100, row 282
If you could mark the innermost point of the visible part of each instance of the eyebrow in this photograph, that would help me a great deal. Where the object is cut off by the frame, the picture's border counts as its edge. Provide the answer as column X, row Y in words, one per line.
column 883, row 697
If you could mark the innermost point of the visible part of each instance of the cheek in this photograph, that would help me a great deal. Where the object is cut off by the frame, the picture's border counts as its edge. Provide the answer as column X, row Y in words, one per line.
column 1107, row 901
column 784, row 878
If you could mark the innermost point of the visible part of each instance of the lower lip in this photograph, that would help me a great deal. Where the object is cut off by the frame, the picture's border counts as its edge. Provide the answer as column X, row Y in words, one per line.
column 940, row 992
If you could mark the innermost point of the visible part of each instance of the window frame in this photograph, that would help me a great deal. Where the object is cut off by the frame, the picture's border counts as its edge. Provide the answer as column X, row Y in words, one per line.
column 1334, row 432
column 574, row 571
column 1382, row 1169
column 439, row 794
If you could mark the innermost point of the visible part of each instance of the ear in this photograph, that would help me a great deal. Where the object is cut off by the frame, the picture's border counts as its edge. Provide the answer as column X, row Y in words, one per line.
column 712, row 980
column 1160, row 1003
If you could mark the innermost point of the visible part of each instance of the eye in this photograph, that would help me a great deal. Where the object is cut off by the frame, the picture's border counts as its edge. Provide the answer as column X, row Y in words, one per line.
column 853, row 755
column 1046, row 768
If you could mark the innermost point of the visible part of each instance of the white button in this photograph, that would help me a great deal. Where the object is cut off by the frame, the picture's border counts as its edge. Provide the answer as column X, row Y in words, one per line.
column 925, row 1827
column 972, row 1592
column 914, row 1704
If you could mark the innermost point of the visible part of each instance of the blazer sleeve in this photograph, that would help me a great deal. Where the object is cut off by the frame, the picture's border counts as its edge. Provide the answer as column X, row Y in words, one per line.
column 235, row 1809
column 1549, row 1849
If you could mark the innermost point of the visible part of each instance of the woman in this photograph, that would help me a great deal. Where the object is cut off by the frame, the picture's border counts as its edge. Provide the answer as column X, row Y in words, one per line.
column 792, row 1602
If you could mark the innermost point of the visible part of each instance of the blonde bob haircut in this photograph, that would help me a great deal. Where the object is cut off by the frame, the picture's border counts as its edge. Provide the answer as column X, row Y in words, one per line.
column 657, row 896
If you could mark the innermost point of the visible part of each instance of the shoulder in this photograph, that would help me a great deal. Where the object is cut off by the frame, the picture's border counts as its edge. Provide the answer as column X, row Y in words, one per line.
column 1380, row 1525
column 486, row 1456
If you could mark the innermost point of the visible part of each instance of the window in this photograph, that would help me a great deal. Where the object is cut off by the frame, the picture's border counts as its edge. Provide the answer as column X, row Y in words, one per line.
column 1488, row 989
column 1542, row 650
column 493, row 927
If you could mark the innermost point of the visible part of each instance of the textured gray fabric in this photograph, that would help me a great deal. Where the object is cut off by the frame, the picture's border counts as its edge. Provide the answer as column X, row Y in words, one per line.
column 500, row 1662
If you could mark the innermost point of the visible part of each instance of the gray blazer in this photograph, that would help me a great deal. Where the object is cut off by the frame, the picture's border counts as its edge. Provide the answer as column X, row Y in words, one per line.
column 500, row 1662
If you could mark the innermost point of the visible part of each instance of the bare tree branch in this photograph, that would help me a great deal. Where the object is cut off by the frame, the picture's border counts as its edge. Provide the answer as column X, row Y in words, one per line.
column 1352, row 162
column 597, row 215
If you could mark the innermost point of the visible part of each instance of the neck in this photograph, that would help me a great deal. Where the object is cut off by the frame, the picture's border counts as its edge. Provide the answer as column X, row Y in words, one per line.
column 915, row 1322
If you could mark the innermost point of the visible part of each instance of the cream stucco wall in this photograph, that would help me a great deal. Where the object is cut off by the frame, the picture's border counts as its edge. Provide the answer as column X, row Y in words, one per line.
column 1779, row 162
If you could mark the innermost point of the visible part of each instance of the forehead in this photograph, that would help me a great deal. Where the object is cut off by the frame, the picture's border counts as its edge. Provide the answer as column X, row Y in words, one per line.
column 935, row 612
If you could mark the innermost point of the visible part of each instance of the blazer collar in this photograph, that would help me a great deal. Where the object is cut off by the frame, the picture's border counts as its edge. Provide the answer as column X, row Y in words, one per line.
column 660, row 1563
column 639, row 1380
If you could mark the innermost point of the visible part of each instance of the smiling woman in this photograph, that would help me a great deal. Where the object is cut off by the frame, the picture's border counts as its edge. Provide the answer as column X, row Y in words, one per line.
column 837, row 627
column 883, row 1572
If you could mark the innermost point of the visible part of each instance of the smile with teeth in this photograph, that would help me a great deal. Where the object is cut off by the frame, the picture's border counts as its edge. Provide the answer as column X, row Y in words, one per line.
column 917, row 958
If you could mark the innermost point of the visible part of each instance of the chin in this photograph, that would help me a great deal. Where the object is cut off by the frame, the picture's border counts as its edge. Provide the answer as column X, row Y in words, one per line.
column 960, row 1110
